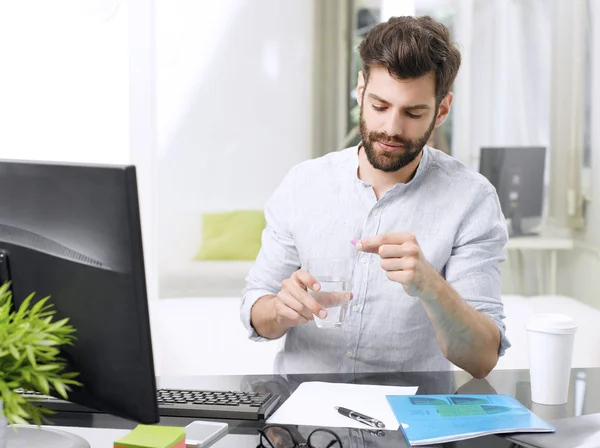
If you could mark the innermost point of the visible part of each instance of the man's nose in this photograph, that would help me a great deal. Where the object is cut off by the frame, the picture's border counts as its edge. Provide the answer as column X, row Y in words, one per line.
column 393, row 123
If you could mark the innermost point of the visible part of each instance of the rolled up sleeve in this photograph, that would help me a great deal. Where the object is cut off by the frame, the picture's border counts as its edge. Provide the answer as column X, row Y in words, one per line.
column 473, row 269
column 278, row 257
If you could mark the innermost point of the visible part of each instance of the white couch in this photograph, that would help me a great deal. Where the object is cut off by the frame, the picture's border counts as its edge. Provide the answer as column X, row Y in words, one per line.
column 203, row 279
column 195, row 336
column 204, row 336
column 180, row 275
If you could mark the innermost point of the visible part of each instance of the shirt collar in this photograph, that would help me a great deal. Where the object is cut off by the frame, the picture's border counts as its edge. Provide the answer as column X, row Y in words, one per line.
column 421, row 169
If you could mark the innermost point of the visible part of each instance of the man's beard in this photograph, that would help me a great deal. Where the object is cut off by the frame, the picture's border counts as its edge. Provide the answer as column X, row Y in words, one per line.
column 387, row 161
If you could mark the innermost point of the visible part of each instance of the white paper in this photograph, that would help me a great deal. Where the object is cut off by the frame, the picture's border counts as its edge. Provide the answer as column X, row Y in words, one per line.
column 313, row 404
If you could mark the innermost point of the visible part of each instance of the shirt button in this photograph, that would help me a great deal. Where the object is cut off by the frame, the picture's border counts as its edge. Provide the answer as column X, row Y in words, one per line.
column 356, row 307
column 349, row 353
column 374, row 212
column 363, row 260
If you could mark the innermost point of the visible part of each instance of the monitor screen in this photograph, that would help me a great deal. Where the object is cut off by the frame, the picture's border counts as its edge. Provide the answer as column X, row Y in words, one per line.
column 517, row 173
column 72, row 232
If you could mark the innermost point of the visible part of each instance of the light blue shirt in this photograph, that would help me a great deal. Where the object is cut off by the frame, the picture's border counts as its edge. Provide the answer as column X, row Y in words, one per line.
column 321, row 205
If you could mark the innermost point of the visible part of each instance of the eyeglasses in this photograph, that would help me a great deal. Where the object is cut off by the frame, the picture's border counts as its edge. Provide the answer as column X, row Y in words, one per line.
column 274, row 436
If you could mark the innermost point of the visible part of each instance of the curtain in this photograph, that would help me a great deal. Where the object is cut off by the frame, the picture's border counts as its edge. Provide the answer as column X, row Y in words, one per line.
column 567, row 113
column 504, row 86
column 521, row 84
column 332, row 47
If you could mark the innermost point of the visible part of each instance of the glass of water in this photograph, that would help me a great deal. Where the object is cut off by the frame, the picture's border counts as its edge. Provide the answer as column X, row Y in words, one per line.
column 335, row 277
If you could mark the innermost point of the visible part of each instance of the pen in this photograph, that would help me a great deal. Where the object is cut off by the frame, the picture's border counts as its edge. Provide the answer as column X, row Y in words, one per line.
column 360, row 417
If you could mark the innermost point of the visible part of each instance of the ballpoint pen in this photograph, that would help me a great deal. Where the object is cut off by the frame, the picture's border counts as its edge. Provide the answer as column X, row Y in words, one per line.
column 360, row 417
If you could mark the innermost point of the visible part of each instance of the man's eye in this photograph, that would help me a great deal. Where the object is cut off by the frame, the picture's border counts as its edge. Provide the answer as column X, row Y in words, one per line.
column 379, row 108
column 413, row 115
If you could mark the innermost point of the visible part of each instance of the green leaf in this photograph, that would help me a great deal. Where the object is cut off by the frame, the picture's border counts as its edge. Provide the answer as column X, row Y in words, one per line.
column 21, row 412
column 60, row 388
column 37, row 308
column 16, row 419
column 19, row 363
column 31, row 355
column 47, row 342
column 47, row 367
column 56, row 325
column 4, row 289
column 13, row 351
column 43, row 383
column 23, row 308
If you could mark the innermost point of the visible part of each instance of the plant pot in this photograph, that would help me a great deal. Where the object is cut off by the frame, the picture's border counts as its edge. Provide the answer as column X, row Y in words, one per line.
column 3, row 426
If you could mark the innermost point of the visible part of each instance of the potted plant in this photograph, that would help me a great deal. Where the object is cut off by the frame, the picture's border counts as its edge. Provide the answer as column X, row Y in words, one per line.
column 30, row 342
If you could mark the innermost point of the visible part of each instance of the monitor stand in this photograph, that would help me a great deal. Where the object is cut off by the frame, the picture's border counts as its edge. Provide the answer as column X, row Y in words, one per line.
column 28, row 436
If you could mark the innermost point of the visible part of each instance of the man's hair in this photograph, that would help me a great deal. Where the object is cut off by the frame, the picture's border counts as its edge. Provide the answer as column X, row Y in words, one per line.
column 410, row 47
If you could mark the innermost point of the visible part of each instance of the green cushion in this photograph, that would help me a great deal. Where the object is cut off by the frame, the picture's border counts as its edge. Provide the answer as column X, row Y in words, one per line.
column 234, row 235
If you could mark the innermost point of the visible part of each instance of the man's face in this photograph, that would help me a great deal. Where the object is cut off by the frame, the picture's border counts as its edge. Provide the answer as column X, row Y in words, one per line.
column 397, row 117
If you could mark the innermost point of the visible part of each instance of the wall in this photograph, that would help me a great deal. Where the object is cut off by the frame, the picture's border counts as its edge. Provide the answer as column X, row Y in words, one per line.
column 64, row 82
column 234, row 100
column 581, row 269
column 77, row 86
column 517, row 101
column 79, row 79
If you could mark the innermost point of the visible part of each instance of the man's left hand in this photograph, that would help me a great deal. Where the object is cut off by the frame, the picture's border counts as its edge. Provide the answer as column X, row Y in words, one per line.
column 403, row 261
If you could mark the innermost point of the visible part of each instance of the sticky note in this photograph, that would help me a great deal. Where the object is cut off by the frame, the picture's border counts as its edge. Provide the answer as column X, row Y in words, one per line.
column 153, row 436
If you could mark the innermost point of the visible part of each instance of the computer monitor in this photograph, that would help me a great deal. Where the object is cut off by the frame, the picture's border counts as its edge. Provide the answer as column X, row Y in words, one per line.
column 72, row 232
column 517, row 173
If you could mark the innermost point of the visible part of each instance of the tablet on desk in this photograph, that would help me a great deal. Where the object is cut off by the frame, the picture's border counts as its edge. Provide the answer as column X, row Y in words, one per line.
column 204, row 434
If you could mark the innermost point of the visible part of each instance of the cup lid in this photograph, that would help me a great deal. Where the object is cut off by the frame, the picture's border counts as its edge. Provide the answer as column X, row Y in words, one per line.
column 552, row 323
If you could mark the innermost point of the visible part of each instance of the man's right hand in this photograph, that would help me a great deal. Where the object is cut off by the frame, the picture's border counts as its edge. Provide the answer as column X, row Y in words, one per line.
column 272, row 316
column 294, row 305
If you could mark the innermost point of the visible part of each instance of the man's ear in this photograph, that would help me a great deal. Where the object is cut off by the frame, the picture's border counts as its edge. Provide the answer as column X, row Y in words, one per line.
column 444, row 109
column 360, row 87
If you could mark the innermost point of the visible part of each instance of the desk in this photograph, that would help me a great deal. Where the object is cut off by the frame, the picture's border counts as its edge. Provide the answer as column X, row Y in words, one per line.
column 547, row 248
column 584, row 398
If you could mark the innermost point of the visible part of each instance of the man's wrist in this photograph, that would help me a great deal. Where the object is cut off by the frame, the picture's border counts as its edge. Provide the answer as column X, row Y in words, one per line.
column 259, row 318
column 263, row 318
column 437, row 287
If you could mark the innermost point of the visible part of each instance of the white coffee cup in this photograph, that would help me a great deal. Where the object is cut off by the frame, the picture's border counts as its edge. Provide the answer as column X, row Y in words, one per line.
column 550, row 338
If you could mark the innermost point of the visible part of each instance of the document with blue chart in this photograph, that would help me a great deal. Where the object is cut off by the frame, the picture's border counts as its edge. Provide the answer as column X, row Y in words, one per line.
column 428, row 419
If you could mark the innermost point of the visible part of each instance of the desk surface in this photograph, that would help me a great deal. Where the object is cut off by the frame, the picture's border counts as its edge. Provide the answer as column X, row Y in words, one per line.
column 540, row 242
column 584, row 398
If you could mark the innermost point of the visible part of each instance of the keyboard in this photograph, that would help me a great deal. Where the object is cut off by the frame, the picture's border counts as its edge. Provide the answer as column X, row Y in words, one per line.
column 226, row 405
column 216, row 404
